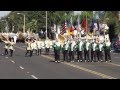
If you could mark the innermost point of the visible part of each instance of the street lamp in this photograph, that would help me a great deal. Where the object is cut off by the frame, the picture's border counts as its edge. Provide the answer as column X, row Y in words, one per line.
column 46, row 24
column 6, row 25
column 23, row 21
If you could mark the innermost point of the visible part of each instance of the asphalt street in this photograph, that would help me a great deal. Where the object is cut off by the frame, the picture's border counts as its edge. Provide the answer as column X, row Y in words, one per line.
column 43, row 67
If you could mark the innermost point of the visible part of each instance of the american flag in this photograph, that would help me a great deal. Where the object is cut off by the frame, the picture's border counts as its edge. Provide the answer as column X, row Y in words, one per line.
column 63, row 28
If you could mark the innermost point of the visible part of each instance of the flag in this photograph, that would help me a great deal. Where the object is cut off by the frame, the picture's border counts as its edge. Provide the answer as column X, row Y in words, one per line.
column 71, row 24
column 54, row 27
column 78, row 23
column 98, row 25
column 92, row 26
column 84, row 25
column 63, row 27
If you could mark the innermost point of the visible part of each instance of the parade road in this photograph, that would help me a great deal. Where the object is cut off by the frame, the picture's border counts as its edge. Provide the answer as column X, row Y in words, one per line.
column 43, row 67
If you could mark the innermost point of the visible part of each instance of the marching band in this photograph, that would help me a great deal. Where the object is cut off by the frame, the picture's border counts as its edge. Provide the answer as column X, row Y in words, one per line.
column 86, row 50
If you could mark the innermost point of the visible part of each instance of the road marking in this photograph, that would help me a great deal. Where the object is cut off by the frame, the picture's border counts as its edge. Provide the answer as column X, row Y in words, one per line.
column 6, row 57
column 85, row 69
column 114, row 64
column 79, row 67
column 27, row 72
column 90, row 71
column 34, row 77
column 12, row 61
column 21, row 67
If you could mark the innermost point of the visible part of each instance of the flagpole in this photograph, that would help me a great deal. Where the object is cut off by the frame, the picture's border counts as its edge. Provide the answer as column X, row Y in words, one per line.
column 78, row 32
column 86, row 25
column 93, row 29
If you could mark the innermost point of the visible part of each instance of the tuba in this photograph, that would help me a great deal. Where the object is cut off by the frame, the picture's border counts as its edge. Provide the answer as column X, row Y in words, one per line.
column 61, row 39
column 4, row 37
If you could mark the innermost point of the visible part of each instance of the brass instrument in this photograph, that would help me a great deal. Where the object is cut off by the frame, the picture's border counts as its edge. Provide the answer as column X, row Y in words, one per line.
column 5, row 38
column 61, row 39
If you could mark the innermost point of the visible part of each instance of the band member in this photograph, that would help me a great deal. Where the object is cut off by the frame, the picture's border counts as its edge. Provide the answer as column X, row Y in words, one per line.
column 65, row 51
column 47, row 45
column 91, row 46
column 29, row 48
column 34, row 46
column 107, row 50
column 93, row 51
column 11, row 47
column 80, row 50
column 97, row 50
column 86, row 50
column 71, row 50
column 57, row 48
column 101, row 51
column 6, row 47
column 39, row 45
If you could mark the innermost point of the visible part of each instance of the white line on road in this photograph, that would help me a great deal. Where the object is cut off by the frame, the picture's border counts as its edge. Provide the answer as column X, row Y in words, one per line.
column 34, row 77
column 6, row 57
column 21, row 67
column 114, row 64
column 12, row 61
column 90, row 71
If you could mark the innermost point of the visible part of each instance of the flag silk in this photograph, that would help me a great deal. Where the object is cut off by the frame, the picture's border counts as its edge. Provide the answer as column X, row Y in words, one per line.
column 63, row 28
column 71, row 24
column 98, row 25
column 78, row 24
column 92, row 26
column 72, row 28
column 84, row 24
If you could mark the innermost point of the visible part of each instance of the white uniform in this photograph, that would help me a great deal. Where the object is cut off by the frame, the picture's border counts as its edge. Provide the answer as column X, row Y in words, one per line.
column 100, row 46
column 87, row 46
column 47, row 43
column 35, row 45
column 94, row 45
column 80, row 46
column 39, row 44
column 108, row 43
column 11, row 45
column 72, row 45
column 66, row 46
column 6, row 44
column 32, row 46
column 29, row 46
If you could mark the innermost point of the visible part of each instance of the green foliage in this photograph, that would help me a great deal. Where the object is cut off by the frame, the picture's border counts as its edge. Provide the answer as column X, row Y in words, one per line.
column 36, row 19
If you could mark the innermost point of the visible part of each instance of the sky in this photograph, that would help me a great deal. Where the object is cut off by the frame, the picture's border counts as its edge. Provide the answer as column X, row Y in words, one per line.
column 77, row 12
column 4, row 13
